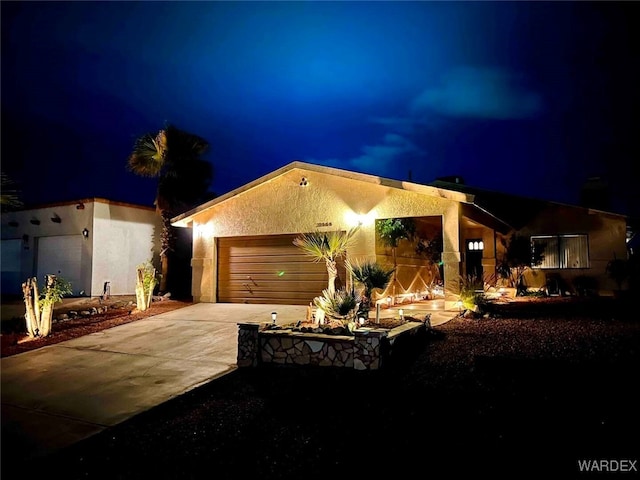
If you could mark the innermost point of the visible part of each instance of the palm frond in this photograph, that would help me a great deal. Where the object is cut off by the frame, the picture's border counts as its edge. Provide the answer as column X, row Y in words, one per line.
column 325, row 245
column 148, row 155
column 370, row 274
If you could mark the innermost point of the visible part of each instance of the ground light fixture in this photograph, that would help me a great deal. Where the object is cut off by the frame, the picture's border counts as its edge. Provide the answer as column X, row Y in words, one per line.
column 401, row 312
column 274, row 316
column 361, row 320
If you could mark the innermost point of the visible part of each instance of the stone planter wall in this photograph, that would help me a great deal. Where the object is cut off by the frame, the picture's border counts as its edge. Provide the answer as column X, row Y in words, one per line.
column 366, row 350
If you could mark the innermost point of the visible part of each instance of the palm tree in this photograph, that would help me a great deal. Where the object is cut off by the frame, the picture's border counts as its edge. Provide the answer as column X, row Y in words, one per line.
column 327, row 247
column 173, row 156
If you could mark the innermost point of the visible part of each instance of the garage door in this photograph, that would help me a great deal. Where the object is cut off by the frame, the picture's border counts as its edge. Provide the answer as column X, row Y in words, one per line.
column 11, row 269
column 61, row 255
column 268, row 269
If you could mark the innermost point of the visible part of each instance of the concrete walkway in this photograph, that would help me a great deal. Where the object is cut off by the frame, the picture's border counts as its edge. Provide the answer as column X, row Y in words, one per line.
column 58, row 395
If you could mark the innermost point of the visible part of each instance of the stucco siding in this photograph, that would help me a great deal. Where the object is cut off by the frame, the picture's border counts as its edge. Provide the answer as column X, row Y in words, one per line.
column 606, row 238
column 328, row 202
column 119, row 237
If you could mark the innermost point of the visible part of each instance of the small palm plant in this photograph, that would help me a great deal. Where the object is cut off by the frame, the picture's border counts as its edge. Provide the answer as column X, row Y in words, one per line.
column 327, row 247
column 371, row 275
column 341, row 305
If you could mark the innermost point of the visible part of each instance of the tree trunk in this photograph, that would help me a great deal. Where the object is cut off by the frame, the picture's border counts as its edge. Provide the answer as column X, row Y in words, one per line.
column 332, row 270
column 164, row 263
column 29, row 316
column 46, row 315
column 152, row 285
column 141, row 299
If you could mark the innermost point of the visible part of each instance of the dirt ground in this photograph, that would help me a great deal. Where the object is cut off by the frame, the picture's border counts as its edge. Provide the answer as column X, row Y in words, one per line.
column 119, row 310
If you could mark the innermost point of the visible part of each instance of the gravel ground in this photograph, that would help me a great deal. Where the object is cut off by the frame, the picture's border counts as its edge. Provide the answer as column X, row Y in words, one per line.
column 508, row 397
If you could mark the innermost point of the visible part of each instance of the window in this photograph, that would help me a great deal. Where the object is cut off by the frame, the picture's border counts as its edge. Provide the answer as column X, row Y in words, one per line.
column 562, row 251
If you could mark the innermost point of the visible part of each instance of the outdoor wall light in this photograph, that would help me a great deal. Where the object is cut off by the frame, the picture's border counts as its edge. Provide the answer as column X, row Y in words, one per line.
column 35, row 221
column 56, row 219
column 274, row 316
column 85, row 233
column 80, row 206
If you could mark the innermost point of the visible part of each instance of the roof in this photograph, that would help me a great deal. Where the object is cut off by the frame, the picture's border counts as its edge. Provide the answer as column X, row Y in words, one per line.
column 82, row 201
column 513, row 210
column 503, row 211
column 186, row 218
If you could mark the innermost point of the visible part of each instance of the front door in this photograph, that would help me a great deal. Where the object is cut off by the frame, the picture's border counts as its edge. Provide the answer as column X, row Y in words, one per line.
column 475, row 248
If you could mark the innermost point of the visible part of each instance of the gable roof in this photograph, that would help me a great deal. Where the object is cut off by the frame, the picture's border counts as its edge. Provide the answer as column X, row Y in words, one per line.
column 185, row 219
column 500, row 210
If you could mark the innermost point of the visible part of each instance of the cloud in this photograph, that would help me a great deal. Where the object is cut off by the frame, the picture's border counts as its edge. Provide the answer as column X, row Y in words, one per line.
column 470, row 92
column 465, row 93
column 382, row 158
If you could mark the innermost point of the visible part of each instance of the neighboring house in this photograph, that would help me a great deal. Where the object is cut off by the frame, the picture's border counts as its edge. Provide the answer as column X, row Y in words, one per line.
column 243, row 251
column 87, row 242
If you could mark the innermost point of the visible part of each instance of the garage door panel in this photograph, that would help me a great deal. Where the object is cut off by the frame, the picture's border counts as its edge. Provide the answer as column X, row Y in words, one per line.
column 271, row 259
column 268, row 269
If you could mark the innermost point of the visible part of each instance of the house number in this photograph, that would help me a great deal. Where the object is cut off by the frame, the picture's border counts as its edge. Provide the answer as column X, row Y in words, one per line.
column 323, row 224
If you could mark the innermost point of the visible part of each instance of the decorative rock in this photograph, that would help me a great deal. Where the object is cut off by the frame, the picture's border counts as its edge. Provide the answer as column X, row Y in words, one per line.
column 63, row 316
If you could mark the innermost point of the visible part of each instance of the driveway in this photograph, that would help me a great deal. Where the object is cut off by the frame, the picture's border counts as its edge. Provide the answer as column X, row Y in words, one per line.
column 58, row 395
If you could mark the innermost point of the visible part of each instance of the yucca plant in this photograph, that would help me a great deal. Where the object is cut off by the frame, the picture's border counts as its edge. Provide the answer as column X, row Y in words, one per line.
column 370, row 275
column 341, row 305
column 327, row 247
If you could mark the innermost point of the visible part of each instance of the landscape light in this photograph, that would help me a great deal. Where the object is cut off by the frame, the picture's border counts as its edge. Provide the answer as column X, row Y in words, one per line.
column 401, row 312
column 274, row 315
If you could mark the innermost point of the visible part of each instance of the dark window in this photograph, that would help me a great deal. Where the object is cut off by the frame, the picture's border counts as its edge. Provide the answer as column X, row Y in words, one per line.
column 562, row 251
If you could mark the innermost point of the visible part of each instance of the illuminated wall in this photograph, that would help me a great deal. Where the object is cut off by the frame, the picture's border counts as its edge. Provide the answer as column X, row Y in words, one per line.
column 280, row 204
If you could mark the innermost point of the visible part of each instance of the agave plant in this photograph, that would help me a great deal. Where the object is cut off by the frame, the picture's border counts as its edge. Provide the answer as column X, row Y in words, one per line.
column 370, row 275
column 341, row 305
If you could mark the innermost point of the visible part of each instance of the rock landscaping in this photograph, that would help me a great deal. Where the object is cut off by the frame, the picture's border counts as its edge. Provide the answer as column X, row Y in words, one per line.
column 366, row 348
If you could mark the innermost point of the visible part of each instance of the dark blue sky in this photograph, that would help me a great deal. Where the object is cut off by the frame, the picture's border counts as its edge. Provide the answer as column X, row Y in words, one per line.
column 527, row 97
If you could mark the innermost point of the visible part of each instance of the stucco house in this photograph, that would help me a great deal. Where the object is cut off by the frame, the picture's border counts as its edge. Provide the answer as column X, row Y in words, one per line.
column 243, row 250
column 87, row 242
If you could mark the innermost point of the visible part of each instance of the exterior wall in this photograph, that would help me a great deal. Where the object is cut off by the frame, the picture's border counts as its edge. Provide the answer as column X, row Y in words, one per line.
column 124, row 237
column 606, row 237
column 120, row 237
column 72, row 222
column 328, row 202
column 488, row 237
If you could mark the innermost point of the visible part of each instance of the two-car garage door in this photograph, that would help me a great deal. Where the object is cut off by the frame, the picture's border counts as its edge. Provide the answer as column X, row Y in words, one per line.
column 268, row 269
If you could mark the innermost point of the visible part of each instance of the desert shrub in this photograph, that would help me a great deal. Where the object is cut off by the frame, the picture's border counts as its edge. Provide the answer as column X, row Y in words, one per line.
column 471, row 291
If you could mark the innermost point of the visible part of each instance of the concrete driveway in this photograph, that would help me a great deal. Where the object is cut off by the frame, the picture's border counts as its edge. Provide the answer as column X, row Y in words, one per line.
column 58, row 395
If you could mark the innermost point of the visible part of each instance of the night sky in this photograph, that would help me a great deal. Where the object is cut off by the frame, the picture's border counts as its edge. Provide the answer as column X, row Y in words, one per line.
column 529, row 98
